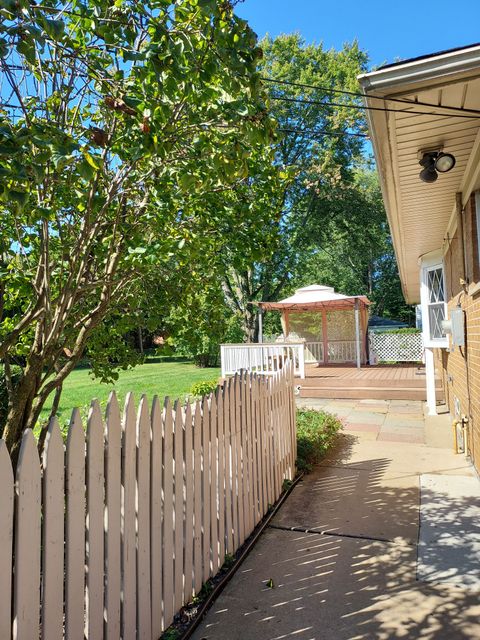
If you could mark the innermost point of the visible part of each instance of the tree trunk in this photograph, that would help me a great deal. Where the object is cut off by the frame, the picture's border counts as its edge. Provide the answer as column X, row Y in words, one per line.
column 250, row 324
column 140, row 340
column 21, row 406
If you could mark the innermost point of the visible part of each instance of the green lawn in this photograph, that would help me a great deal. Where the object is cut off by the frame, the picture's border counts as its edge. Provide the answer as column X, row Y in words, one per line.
column 172, row 379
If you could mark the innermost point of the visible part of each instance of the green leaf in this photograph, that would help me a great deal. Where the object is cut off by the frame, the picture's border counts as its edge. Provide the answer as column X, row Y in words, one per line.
column 20, row 198
column 54, row 28
column 3, row 48
column 27, row 49
column 94, row 161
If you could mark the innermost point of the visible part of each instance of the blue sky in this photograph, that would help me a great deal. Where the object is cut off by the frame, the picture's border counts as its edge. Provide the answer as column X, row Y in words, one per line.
column 387, row 30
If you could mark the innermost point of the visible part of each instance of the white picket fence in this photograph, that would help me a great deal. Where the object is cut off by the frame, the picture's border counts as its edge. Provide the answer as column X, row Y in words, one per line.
column 111, row 534
column 396, row 347
column 265, row 358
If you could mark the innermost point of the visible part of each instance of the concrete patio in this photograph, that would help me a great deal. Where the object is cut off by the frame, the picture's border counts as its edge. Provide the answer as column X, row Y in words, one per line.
column 381, row 541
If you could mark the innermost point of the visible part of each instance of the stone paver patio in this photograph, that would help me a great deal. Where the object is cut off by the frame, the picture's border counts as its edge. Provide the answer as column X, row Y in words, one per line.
column 382, row 420
column 380, row 542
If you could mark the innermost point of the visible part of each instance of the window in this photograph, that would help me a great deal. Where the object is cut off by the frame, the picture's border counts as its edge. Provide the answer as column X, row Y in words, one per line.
column 436, row 302
column 434, row 307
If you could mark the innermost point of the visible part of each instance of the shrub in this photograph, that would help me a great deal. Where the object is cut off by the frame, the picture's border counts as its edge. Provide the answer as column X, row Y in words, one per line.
column 204, row 387
column 316, row 432
column 407, row 330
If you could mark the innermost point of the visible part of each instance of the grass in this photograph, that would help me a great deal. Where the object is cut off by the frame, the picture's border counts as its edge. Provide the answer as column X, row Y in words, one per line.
column 316, row 432
column 173, row 379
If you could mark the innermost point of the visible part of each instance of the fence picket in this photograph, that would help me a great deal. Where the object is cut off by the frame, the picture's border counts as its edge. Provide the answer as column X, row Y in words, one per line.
column 245, row 460
column 206, row 487
column 228, row 467
column 179, row 504
column 75, row 530
column 268, row 439
column 255, row 450
column 238, row 446
column 198, row 504
column 213, row 486
column 53, row 533
column 233, row 461
column 144, row 612
column 27, row 541
column 95, row 516
column 168, row 513
column 113, row 437
column 156, row 518
column 129, row 570
column 189, row 491
column 6, row 536
column 221, row 474
column 250, row 453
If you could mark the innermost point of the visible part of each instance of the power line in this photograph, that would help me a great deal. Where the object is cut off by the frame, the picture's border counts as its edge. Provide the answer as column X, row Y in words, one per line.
column 367, row 95
column 367, row 108
column 314, row 132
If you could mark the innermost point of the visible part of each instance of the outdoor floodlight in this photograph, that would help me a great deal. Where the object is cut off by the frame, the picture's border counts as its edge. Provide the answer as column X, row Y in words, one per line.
column 433, row 162
column 444, row 162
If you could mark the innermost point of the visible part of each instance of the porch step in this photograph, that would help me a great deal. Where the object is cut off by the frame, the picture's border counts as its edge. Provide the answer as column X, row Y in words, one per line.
column 373, row 393
column 321, row 382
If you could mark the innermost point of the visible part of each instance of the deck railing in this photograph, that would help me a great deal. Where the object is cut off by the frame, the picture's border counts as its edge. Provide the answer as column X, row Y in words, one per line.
column 265, row 358
column 339, row 351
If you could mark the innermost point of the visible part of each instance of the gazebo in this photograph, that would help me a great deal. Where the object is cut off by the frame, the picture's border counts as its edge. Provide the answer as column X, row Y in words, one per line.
column 332, row 325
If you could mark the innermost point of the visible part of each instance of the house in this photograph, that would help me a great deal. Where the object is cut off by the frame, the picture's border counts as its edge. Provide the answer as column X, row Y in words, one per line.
column 424, row 121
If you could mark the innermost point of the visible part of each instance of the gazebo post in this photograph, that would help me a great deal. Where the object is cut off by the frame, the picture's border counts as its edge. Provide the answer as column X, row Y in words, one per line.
column 260, row 325
column 287, row 324
column 324, row 336
column 357, row 334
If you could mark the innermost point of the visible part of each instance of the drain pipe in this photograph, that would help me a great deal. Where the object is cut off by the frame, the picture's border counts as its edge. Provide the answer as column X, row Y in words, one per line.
column 220, row 586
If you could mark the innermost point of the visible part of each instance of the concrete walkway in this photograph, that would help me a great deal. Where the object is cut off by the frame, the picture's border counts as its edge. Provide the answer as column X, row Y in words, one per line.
column 380, row 542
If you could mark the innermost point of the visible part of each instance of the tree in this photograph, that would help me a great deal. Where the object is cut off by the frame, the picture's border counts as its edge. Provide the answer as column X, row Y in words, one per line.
column 118, row 122
column 357, row 256
column 321, row 139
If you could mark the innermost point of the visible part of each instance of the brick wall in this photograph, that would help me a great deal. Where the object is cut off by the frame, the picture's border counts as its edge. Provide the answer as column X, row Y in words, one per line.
column 460, row 368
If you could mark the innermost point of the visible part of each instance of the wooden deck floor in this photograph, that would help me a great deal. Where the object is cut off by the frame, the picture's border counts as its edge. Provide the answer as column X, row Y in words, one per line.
column 382, row 382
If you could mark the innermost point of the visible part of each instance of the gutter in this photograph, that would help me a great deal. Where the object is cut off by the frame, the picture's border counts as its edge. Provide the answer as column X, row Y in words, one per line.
column 417, row 71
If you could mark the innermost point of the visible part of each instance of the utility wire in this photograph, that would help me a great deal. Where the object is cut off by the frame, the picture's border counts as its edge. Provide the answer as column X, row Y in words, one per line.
column 367, row 95
column 313, row 132
column 367, row 108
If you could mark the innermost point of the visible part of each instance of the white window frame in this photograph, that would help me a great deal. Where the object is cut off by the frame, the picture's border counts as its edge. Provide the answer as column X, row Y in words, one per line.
column 428, row 264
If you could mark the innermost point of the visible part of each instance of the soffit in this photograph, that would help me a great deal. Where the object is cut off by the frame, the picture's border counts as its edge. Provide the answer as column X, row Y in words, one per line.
column 418, row 212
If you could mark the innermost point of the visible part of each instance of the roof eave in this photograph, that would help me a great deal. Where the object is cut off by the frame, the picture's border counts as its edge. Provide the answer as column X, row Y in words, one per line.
column 418, row 71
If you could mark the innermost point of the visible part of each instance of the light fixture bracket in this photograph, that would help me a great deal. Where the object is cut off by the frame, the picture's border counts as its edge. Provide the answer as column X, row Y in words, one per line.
column 421, row 152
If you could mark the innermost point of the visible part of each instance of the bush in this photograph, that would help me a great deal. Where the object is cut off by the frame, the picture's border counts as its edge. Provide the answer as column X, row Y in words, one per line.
column 316, row 432
column 16, row 373
column 406, row 330
column 204, row 387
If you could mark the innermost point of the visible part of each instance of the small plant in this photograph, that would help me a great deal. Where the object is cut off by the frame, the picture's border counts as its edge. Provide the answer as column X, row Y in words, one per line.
column 229, row 561
column 286, row 485
column 203, row 388
column 316, row 432
column 171, row 634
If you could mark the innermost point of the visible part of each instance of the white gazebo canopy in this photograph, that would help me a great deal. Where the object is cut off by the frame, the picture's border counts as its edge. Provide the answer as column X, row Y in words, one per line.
column 323, row 300
column 315, row 296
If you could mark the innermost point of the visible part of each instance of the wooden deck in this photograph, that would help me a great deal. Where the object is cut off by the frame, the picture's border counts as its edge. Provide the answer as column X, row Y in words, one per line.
column 379, row 382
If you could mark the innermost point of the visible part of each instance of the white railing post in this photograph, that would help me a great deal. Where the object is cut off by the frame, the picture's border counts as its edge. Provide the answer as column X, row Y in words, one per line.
column 223, row 364
column 301, row 360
